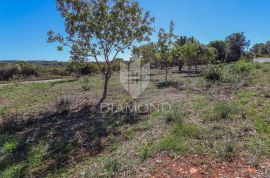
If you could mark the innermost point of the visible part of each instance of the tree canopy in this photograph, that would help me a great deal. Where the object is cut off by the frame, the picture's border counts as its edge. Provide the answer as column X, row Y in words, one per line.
column 101, row 29
column 236, row 44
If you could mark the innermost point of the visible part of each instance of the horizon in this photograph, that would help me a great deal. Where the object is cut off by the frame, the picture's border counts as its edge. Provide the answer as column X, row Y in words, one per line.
column 206, row 20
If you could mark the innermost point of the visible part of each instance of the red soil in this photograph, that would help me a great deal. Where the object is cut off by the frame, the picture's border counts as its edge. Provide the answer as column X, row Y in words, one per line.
column 166, row 166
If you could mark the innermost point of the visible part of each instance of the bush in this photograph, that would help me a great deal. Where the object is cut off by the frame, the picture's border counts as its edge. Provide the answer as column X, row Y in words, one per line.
column 59, row 71
column 212, row 74
column 81, row 68
column 243, row 67
column 85, row 84
column 7, row 73
column 89, row 69
column 63, row 105
column 28, row 70
column 116, row 66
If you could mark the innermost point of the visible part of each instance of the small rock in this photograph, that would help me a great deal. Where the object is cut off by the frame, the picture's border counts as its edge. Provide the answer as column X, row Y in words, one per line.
column 193, row 171
column 142, row 169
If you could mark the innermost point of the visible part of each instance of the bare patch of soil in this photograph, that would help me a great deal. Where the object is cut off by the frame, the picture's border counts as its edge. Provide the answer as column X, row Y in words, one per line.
column 165, row 165
column 5, row 101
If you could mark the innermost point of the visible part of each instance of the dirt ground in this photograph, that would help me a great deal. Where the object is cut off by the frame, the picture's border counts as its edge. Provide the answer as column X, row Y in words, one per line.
column 193, row 166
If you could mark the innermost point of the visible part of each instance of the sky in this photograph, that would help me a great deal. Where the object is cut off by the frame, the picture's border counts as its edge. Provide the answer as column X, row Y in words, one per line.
column 24, row 23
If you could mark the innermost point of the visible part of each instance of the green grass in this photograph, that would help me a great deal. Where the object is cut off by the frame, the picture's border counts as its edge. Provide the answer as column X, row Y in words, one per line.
column 16, row 170
column 222, row 110
column 35, row 156
column 7, row 144
column 174, row 144
column 9, row 147
column 177, row 140
column 110, row 168
column 144, row 153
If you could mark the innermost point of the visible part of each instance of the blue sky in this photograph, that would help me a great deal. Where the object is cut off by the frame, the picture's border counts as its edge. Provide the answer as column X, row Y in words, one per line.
column 24, row 24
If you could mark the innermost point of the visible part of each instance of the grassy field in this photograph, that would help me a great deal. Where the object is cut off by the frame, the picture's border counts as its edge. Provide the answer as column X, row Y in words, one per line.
column 50, row 130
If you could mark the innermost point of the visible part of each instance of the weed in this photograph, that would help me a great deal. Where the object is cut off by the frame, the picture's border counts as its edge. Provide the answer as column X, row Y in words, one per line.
column 222, row 111
column 187, row 131
column 9, row 146
column 227, row 150
column 110, row 167
column 176, row 117
column 173, row 144
column 144, row 153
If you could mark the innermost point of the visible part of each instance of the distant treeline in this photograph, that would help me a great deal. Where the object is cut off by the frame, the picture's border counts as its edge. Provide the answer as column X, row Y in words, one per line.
column 46, row 63
column 18, row 70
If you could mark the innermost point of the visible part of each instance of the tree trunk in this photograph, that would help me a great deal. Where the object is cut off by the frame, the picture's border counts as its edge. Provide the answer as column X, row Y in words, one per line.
column 166, row 76
column 180, row 66
column 105, row 90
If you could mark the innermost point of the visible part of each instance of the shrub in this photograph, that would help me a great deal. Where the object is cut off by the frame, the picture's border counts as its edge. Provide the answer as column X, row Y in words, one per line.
column 85, row 84
column 243, row 66
column 116, row 66
column 59, row 71
column 63, row 105
column 88, row 69
column 7, row 73
column 81, row 68
column 28, row 70
column 212, row 74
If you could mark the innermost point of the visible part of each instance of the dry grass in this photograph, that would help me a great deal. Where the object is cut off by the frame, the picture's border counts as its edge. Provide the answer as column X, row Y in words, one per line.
column 85, row 143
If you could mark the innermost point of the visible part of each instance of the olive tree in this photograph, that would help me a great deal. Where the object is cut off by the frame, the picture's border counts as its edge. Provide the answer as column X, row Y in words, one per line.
column 190, row 53
column 178, row 53
column 164, row 44
column 101, row 29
